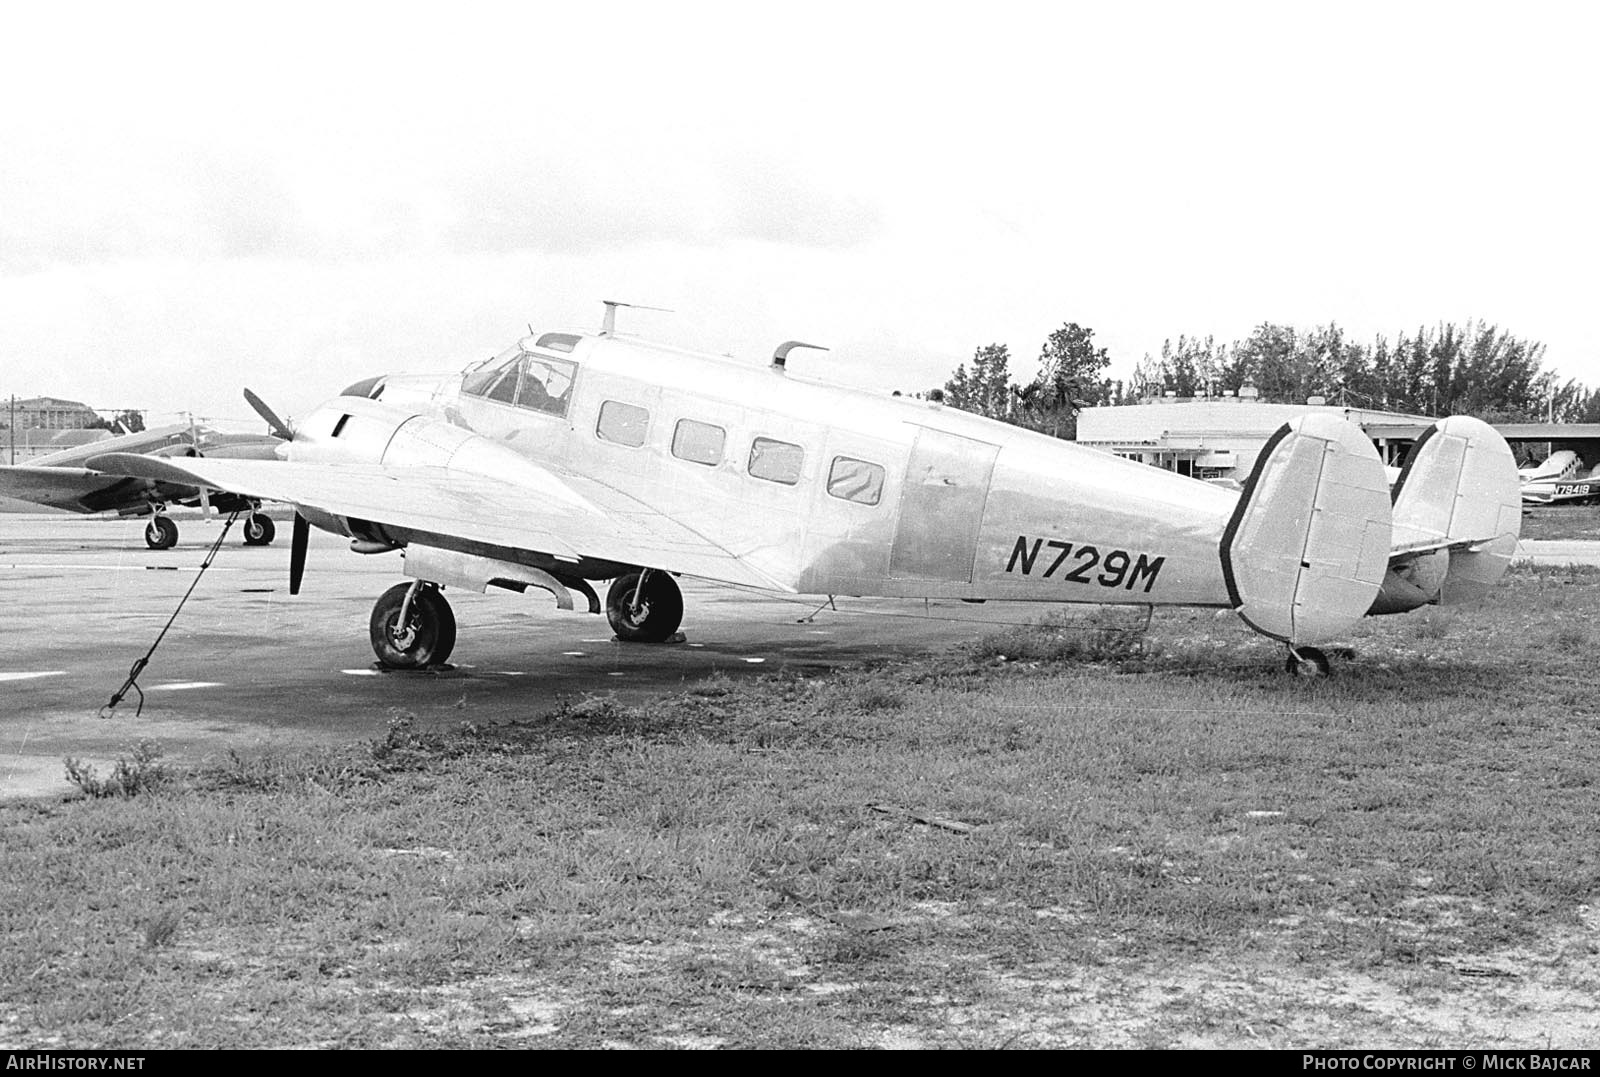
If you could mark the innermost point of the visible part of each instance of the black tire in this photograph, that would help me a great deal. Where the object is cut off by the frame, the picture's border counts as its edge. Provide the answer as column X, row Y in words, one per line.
column 259, row 530
column 431, row 628
column 160, row 533
column 659, row 612
column 1306, row 662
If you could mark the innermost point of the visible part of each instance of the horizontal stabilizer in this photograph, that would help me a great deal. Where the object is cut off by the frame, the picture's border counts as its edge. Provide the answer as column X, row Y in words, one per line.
column 1306, row 550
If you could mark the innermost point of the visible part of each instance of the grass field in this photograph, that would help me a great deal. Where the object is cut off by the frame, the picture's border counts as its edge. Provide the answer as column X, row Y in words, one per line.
column 1065, row 835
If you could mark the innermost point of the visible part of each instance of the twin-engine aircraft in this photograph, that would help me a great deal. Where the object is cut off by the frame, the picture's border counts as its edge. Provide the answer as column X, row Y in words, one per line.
column 64, row 480
column 577, row 457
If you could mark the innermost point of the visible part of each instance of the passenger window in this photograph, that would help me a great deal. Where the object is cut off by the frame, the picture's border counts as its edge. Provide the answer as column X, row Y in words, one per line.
column 855, row 480
column 699, row 443
column 622, row 423
column 776, row 461
column 546, row 384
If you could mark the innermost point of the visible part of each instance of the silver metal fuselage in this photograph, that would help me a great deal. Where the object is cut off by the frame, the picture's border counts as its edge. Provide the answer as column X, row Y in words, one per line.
column 965, row 507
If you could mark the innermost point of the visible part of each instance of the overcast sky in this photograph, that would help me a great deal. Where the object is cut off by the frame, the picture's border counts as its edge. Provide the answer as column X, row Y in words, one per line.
column 194, row 199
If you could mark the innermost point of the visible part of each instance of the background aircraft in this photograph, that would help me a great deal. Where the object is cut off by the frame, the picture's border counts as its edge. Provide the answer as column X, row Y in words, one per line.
column 1561, row 477
column 576, row 457
column 63, row 480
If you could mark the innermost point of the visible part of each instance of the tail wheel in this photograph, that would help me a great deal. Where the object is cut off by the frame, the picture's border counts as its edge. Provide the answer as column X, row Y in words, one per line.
column 644, row 607
column 259, row 530
column 160, row 533
column 425, row 637
column 1306, row 662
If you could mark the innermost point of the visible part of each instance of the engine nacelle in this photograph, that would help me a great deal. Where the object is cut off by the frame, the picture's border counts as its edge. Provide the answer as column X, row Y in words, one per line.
column 354, row 430
column 1414, row 583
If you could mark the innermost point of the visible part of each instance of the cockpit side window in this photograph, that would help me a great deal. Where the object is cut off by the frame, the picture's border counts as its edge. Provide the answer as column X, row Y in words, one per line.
column 546, row 384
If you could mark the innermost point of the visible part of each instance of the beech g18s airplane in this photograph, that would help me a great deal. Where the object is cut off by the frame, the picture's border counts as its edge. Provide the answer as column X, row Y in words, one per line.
column 64, row 480
column 577, row 456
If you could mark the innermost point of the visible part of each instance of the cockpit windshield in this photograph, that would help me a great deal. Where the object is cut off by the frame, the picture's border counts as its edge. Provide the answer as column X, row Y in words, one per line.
column 526, row 380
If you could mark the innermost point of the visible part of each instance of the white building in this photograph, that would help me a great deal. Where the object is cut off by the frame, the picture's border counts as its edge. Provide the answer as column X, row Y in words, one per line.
column 1219, row 438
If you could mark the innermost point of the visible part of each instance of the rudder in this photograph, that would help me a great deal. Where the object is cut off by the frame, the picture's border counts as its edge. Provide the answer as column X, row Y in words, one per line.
column 1306, row 550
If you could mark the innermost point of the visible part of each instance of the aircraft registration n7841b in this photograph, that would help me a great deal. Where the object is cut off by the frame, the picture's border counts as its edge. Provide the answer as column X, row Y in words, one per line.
column 576, row 457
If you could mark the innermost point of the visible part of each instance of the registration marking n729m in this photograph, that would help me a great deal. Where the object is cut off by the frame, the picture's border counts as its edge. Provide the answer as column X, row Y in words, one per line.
column 1118, row 568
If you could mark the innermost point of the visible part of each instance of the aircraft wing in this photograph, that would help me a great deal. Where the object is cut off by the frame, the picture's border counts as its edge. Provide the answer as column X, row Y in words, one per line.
column 73, row 488
column 563, row 515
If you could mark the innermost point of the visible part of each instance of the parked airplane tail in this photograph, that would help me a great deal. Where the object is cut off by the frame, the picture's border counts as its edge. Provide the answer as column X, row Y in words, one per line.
column 1457, row 511
column 1306, row 550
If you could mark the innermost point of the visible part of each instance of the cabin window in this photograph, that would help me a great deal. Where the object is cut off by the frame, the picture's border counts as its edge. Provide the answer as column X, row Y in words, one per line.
column 698, row 443
column 622, row 423
column 776, row 461
column 855, row 480
column 558, row 342
column 546, row 384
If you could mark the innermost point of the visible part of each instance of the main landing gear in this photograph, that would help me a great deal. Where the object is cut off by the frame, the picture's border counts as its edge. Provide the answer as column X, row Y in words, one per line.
column 259, row 530
column 644, row 607
column 1306, row 662
column 162, row 534
column 412, row 627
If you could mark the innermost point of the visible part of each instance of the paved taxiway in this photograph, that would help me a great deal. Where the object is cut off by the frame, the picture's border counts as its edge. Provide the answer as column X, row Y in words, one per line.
column 245, row 665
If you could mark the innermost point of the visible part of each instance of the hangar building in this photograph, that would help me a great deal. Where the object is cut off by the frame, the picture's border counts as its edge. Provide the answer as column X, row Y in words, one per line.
column 1220, row 437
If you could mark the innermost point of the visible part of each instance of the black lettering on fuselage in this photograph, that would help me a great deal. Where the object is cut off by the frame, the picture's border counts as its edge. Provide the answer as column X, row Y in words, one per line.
column 1020, row 550
column 1121, row 569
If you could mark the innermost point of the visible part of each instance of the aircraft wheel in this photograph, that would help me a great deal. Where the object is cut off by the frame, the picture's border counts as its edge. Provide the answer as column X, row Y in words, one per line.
column 258, row 530
column 160, row 533
column 1306, row 662
column 650, row 616
column 428, row 635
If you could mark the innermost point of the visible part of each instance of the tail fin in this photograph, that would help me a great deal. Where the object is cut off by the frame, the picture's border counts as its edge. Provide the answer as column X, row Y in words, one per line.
column 1459, row 498
column 1307, row 547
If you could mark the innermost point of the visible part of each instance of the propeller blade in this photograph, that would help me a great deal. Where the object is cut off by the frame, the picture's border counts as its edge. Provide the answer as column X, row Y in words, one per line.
column 297, row 552
column 279, row 427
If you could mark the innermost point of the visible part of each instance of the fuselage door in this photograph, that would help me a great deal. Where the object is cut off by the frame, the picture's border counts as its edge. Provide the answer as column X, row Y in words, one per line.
column 941, row 507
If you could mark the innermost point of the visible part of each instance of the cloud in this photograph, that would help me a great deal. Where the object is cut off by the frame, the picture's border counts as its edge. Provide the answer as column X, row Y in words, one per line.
column 593, row 201
column 75, row 203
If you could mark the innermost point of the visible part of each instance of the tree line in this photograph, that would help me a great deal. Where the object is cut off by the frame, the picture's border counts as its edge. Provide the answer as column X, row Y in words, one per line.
column 1449, row 369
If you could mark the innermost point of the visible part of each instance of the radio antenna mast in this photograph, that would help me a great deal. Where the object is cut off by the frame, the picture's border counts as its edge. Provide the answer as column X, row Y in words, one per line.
column 608, row 325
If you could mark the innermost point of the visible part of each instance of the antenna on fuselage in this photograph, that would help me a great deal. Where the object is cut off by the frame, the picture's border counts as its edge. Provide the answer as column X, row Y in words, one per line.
column 781, row 357
column 608, row 325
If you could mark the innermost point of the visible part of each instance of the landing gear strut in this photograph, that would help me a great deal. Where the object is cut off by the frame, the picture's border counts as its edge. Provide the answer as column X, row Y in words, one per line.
column 644, row 607
column 160, row 533
column 259, row 530
column 1306, row 662
column 412, row 627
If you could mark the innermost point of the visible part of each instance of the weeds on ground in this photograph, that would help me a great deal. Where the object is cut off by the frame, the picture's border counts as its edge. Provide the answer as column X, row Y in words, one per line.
column 1065, row 637
column 129, row 777
column 880, row 855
